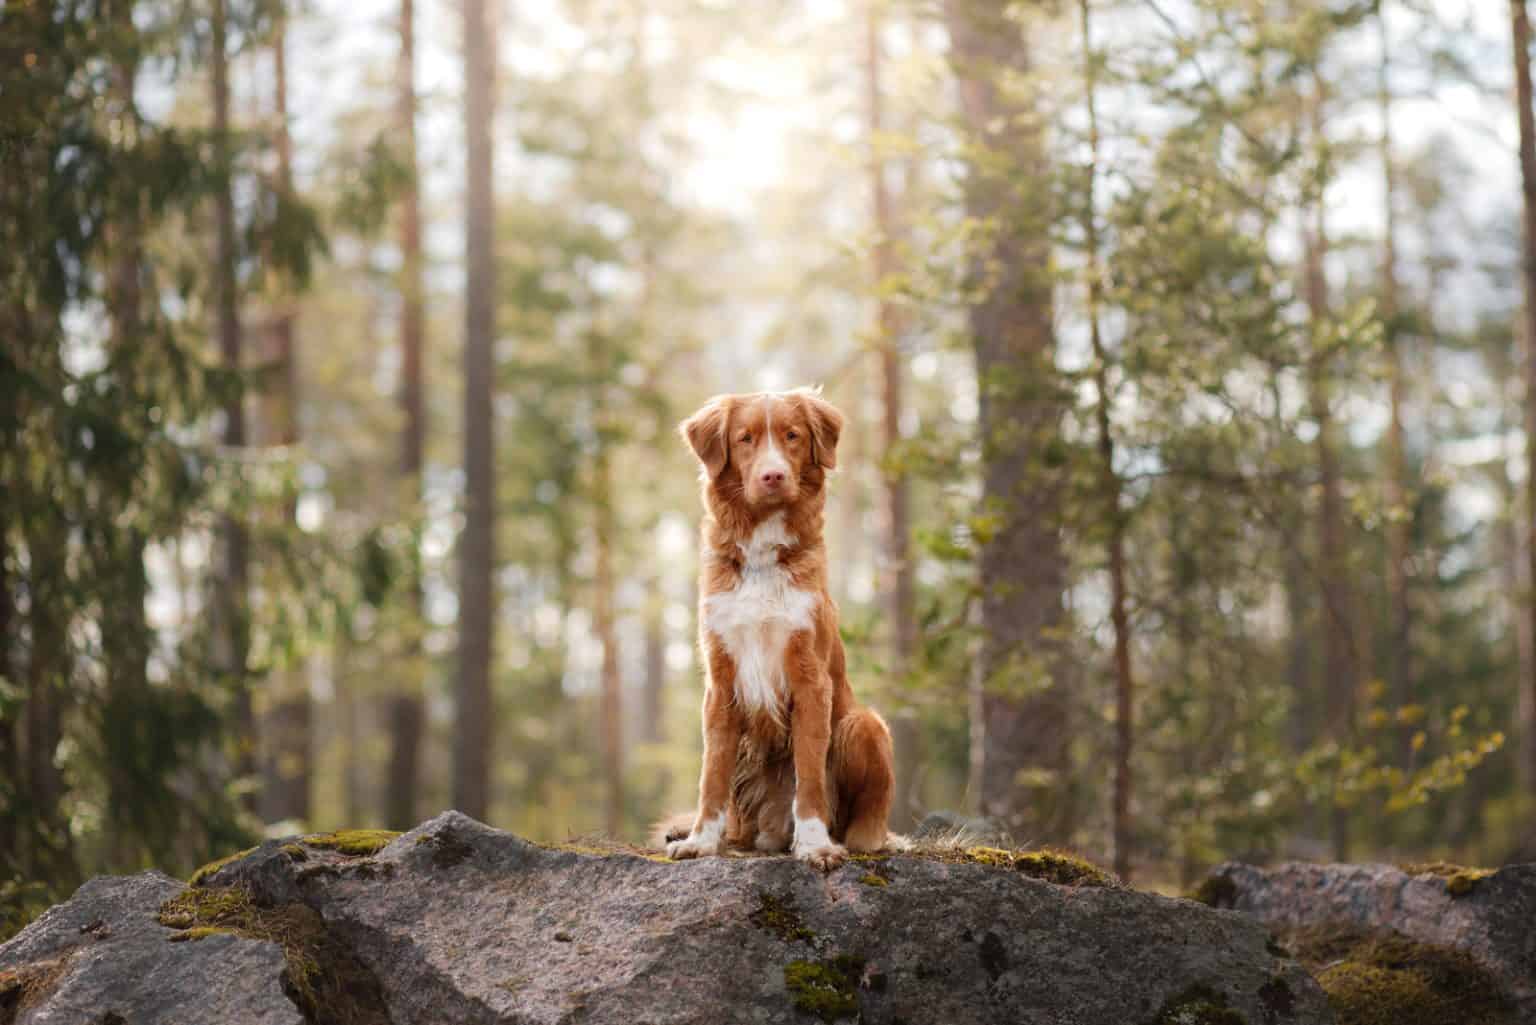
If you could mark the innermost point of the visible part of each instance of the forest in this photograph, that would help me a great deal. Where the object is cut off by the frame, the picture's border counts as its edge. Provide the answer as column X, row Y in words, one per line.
column 1185, row 508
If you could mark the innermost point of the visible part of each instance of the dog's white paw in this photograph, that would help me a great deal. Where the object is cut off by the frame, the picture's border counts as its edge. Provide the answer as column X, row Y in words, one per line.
column 822, row 857
column 691, row 847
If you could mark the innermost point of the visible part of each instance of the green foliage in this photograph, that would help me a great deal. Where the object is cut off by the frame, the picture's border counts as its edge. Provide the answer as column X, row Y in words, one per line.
column 20, row 902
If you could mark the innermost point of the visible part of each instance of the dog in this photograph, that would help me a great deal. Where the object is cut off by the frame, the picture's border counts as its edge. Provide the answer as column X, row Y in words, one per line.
column 791, row 761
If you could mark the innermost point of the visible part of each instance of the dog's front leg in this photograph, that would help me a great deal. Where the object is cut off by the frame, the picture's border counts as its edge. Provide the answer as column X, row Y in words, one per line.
column 722, row 741
column 810, row 734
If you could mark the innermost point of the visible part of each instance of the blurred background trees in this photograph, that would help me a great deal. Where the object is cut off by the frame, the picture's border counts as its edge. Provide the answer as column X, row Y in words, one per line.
column 1184, row 511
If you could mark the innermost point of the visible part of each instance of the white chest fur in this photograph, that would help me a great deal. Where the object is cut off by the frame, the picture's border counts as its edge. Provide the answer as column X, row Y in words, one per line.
column 755, row 619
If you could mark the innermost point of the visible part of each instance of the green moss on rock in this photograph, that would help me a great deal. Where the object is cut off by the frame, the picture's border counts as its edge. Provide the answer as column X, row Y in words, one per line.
column 1460, row 880
column 321, row 975
column 1198, row 1005
column 1061, row 868
column 202, row 875
column 355, row 843
column 1054, row 866
column 779, row 916
column 827, row 989
column 874, row 879
column 1397, row 981
column 24, row 987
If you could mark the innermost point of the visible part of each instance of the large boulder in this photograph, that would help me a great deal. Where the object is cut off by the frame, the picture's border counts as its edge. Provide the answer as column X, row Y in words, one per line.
column 455, row 922
column 1408, row 945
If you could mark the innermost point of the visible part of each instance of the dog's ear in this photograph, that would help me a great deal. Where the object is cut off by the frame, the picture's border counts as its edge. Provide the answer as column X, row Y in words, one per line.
column 826, row 427
column 708, row 434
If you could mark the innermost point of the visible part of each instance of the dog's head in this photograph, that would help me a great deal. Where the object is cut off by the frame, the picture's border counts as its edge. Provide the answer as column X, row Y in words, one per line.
column 765, row 451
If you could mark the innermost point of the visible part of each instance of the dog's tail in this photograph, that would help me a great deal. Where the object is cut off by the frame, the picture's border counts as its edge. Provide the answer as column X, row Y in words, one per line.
column 675, row 826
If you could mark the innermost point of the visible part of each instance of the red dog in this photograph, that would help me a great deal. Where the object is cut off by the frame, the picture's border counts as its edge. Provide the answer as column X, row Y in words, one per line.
column 789, row 758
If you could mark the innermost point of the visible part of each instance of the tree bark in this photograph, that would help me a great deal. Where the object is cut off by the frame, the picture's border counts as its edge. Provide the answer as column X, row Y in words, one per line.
column 405, row 713
column 125, row 632
column 1521, row 31
column 1514, row 568
column 47, row 678
column 10, row 754
column 653, row 718
column 287, row 748
column 1400, row 666
column 1109, row 477
column 231, row 592
column 477, row 546
column 898, row 585
column 1341, row 665
column 1025, row 736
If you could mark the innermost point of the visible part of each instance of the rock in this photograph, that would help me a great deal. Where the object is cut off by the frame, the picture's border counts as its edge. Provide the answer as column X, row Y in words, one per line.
column 101, row 958
column 455, row 922
column 1439, row 928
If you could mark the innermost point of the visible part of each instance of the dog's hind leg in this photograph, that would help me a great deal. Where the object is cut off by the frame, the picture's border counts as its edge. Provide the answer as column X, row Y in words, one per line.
column 863, row 772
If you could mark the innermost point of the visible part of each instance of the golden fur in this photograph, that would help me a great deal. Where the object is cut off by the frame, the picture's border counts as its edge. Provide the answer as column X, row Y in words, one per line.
column 790, row 760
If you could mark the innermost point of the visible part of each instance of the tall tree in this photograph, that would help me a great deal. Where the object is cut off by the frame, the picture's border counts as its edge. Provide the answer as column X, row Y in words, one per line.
column 287, row 760
column 1109, row 477
column 232, row 593
column 477, row 545
column 126, row 635
column 1023, row 566
column 1341, row 657
column 901, row 622
column 405, row 709
column 1399, row 667
column 1521, row 32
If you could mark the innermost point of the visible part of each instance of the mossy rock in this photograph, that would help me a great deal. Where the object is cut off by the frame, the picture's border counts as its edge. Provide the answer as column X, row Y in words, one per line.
column 1460, row 880
column 22, row 988
column 1053, row 866
column 1198, row 1005
column 828, row 989
column 1398, row 981
column 356, row 843
column 779, row 916
column 322, row 976
column 601, row 847
column 203, row 874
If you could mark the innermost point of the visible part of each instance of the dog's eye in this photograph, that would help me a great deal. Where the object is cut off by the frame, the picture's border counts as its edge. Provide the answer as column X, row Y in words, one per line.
column 791, row 436
column 746, row 437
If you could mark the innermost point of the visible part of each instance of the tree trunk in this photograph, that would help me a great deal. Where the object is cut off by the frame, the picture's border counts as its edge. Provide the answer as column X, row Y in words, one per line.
column 477, row 546
column 10, row 753
column 898, row 587
column 1521, row 24
column 287, row 749
column 1399, row 521
column 405, row 712
column 231, row 591
column 1024, row 761
column 47, row 687
column 1514, row 567
column 125, row 633
column 610, row 710
column 653, row 717
column 1109, row 478
column 1340, row 662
